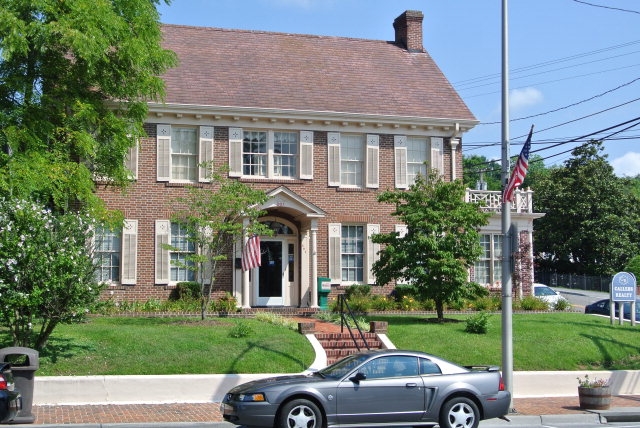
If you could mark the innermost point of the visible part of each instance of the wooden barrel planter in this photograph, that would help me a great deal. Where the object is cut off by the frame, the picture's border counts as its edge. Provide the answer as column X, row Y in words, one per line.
column 598, row 398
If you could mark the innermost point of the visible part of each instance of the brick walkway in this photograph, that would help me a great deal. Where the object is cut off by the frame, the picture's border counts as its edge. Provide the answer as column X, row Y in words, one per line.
column 209, row 412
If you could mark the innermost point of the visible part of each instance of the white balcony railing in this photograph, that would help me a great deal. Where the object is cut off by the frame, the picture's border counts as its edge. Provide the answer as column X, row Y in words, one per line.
column 492, row 200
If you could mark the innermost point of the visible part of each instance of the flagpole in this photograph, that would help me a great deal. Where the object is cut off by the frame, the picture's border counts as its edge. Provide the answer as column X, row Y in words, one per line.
column 507, row 331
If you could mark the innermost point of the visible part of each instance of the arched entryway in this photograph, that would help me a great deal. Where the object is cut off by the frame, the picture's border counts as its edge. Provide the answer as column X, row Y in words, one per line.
column 289, row 264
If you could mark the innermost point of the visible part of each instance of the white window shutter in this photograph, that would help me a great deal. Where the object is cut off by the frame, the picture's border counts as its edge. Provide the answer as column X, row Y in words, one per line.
column 372, row 251
column 129, row 252
column 163, row 235
column 206, row 274
column 402, row 230
column 163, row 141
column 206, row 154
column 373, row 161
column 235, row 152
column 306, row 155
column 333, row 165
column 335, row 253
column 131, row 161
column 400, row 160
column 437, row 154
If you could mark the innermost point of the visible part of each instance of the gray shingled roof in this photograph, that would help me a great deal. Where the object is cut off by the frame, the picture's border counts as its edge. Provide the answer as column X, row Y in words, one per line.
column 256, row 69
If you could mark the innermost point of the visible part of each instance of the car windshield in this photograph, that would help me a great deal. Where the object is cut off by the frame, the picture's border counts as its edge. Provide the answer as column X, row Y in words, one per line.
column 344, row 366
column 544, row 291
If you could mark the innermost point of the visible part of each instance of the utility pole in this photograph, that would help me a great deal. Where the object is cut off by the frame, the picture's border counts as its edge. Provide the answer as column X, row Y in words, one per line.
column 507, row 300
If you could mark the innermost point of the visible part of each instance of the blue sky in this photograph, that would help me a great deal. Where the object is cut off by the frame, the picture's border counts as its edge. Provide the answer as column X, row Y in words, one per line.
column 574, row 64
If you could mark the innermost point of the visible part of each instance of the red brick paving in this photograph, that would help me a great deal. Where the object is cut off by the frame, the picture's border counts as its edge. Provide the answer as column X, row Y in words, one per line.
column 210, row 412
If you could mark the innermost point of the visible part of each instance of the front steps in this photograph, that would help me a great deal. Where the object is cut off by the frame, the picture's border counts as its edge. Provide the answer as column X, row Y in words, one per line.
column 340, row 345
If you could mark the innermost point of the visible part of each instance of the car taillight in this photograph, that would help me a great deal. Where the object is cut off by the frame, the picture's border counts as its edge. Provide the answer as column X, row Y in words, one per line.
column 3, row 383
column 501, row 385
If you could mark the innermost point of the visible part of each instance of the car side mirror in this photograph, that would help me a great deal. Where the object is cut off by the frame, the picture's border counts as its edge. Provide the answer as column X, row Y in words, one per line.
column 358, row 377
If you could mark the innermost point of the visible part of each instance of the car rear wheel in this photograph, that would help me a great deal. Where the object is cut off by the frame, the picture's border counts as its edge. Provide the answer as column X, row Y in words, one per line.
column 300, row 414
column 459, row 412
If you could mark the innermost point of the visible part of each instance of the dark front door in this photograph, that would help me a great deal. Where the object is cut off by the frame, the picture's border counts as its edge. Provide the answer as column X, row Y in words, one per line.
column 270, row 274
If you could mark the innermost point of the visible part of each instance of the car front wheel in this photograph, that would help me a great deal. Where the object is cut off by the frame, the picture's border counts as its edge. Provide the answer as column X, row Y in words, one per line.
column 459, row 412
column 300, row 414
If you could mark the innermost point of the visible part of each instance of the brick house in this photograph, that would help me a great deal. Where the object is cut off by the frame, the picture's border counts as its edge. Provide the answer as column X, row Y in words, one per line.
column 322, row 124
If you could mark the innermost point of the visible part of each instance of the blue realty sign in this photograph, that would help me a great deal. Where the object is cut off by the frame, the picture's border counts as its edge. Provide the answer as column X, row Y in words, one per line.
column 623, row 287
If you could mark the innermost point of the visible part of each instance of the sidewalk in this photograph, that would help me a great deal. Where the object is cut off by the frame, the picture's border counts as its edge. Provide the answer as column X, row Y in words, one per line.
column 209, row 412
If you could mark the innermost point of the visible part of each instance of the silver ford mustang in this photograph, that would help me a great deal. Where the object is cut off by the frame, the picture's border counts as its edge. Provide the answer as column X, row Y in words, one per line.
column 375, row 388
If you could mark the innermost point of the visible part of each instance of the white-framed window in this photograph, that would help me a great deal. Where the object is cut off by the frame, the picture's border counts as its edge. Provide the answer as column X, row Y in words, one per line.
column 352, row 253
column 270, row 153
column 353, row 160
column 352, row 157
column 181, row 268
column 417, row 155
column 410, row 154
column 285, row 154
column 172, row 247
column 488, row 269
column 115, row 253
column 184, row 153
column 107, row 250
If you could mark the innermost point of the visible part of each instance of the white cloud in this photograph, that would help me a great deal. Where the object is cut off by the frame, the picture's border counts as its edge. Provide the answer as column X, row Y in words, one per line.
column 525, row 97
column 628, row 165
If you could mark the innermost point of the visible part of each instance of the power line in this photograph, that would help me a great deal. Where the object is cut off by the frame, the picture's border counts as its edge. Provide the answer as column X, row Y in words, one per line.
column 606, row 7
column 569, row 105
column 576, row 139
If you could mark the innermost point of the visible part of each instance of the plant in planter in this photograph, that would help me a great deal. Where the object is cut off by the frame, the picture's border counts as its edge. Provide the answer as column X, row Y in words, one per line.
column 594, row 393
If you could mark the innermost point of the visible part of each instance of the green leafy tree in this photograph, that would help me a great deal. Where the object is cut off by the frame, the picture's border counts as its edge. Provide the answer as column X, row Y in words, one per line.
column 478, row 169
column 47, row 276
column 442, row 240
column 633, row 266
column 591, row 223
column 213, row 221
column 75, row 76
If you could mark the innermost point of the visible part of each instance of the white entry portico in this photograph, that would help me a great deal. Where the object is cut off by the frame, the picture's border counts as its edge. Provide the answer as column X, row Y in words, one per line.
column 289, row 264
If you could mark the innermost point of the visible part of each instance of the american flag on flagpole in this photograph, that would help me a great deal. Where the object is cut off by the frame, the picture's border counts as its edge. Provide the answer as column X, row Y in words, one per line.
column 519, row 170
column 251, row 253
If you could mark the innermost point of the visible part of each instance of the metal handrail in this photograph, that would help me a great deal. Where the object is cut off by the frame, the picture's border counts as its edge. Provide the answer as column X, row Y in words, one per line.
column 343, row 321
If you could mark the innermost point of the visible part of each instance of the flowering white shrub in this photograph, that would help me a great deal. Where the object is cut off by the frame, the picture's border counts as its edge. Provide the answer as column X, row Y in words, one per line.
column 46, row 270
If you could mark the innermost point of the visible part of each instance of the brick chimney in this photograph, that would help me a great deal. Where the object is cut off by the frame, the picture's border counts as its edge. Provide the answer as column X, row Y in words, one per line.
column 408, row 28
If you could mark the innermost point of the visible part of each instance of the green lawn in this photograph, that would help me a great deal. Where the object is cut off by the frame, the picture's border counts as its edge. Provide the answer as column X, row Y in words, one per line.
column 127, row 346
column 124, row 346
column 541, row 341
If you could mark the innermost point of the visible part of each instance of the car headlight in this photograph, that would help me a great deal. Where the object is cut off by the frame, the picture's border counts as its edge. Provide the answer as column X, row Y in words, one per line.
column 257, row 396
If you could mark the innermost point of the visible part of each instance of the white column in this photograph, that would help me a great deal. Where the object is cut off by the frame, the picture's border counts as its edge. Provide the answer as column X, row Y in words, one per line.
column 454, row 145
column 314, row 264
column 246, row 297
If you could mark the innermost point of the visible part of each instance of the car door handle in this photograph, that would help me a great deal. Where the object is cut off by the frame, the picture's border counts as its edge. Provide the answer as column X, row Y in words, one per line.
column 411, row 385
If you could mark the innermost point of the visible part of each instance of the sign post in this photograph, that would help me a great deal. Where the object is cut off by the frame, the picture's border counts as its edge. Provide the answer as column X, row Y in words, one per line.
column 623, row 289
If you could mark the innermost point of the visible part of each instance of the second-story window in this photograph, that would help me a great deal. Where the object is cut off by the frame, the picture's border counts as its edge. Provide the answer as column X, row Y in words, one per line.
column 270, row 153
column 351, row 160
column 184, row 154
column 417, row 155
column 285, row 154
column 254, row 153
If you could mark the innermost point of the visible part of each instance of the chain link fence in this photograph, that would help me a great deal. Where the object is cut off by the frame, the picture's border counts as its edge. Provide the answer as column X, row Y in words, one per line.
column 572, row 280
